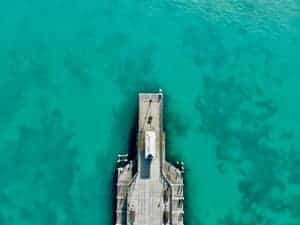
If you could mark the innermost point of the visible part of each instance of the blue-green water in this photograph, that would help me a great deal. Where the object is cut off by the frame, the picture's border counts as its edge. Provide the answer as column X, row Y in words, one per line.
column 70, row 72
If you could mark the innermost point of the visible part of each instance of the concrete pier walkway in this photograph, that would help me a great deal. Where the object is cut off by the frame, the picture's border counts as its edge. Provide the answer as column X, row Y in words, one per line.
column 153, row 195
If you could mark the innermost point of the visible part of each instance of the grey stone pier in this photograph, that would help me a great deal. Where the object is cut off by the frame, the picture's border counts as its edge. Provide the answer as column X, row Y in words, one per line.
column 149, row 189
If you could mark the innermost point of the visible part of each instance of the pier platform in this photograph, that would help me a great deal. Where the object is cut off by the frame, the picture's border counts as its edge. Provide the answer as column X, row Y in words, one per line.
column 153, row 193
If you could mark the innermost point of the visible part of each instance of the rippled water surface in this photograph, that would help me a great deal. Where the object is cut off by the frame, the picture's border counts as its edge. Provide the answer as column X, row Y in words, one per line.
column 70, row 73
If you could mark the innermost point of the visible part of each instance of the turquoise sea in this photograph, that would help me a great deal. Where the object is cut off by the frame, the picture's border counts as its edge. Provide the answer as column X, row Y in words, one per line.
column 70, row 72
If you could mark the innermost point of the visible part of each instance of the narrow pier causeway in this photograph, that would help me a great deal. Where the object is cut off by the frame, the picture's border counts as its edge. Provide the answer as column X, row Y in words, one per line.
column 149, row 189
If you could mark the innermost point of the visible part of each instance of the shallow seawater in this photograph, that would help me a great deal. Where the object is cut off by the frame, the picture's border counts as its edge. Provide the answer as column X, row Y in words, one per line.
column 70, row 73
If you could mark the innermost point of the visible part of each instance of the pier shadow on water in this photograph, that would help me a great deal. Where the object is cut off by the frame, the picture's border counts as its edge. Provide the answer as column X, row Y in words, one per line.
column 132, row 152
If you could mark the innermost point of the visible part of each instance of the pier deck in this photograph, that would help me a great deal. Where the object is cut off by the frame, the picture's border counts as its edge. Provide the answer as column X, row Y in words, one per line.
column 154, row 194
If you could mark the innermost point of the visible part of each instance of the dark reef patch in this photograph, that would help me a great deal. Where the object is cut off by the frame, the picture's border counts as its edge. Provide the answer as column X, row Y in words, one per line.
column 294, row 159
column 77, row 67
column 30, row 59
column 25, row 65
column 12, row 98
column 238, row 117
column 49, row 182
column 194, row 41
column 132, row 70
column 114, row 43
column 176, row 125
